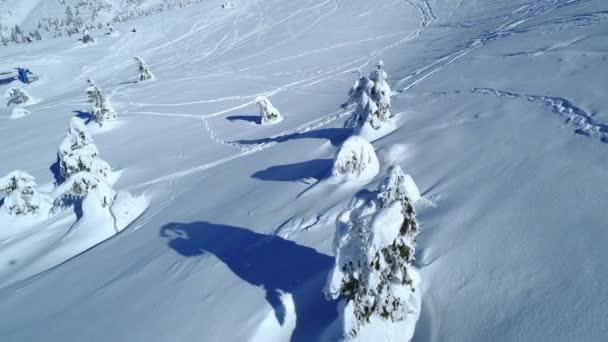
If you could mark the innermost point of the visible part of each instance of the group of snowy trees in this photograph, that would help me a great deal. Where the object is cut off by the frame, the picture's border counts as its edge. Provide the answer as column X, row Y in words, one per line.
column 101, row 106
column 374, row 243
column 81, row 169
column 85, row 15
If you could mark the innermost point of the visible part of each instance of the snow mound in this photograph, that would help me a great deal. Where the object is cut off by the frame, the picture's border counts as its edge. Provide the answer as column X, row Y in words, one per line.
column 19, row 113
column 356, row 160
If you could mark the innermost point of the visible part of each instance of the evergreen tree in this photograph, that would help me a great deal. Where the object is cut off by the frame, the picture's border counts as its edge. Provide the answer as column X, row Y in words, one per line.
column 21, row 195
column 101, row 106
column 17, row 96
column 144, row 70
column 356, row 158
column 87, row 38
column 268, row 113
column 381, row 92
column 374, row 247
column 84, row 186
column 77, row 153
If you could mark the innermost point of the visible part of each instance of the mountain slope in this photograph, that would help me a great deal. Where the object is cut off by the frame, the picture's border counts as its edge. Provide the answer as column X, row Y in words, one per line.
column 502, row 122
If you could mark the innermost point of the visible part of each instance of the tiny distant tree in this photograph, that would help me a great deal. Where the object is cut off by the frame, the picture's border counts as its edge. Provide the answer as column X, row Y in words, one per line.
column 268, row 113
column 144, row 70
column 374, row 247
column 87, row 38
column 17, row 96
column 21, row 195
column 78, row 153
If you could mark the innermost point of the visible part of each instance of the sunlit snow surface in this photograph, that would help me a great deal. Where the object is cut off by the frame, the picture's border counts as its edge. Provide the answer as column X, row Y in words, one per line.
column 501, row 117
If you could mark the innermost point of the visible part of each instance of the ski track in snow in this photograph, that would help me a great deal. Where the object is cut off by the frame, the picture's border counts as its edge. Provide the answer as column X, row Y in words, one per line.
column 427, row 17
column 506, row 29
column 575, row 115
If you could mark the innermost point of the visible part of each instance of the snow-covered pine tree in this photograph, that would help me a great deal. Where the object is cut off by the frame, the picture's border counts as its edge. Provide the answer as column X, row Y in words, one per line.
column 17, row 96
column 362, row 85
column 378, row 73
column 104, row 110
column 367, row 111
column 21, row 195
column 78, row 153
column 381, row 92
column 374, row 247
column 398, row 186
column 268, row 113
column 144, row 70
column 356, row 158
column 84, row 185
column 101, row 107
column 87, row 38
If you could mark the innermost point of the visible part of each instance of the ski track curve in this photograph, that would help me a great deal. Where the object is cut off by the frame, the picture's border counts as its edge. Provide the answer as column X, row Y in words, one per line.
column 504, row 30
column 575, row 115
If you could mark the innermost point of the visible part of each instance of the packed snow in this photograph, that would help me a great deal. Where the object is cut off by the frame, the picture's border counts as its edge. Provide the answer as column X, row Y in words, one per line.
column 164, row 200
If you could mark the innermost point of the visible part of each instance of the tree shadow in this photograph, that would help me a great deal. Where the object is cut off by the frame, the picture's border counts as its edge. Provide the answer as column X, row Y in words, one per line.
column 56, row 170
column 269, row 262
column 317, row 169
column 86, row 116
column 256, row 119
column 9, row 80
column 336, row 136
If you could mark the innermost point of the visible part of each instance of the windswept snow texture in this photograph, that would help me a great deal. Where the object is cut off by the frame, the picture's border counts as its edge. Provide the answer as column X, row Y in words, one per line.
column 235, row 245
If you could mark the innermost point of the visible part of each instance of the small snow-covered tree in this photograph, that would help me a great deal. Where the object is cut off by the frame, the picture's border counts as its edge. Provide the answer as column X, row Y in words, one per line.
column 381, row 92
column 398, row 186
column 268, row 113
column 17, row 96
column 355, row 159
column 144, row 70
column 101, row 106
column 374, row 247
column 78, row 153
column 87, row 38
column 104, row 110
column 361, row 86
column 378, row 73
column 82, row 185
column 21, row 195
column 367, row 111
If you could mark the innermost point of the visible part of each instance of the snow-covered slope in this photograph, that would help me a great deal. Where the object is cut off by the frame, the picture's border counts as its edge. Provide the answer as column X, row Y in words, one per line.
column 502, row 123
column 44, row 18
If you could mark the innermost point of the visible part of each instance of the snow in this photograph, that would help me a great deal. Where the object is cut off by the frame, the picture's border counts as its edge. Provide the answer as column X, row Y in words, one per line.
column 499, row 111
column 356, row 160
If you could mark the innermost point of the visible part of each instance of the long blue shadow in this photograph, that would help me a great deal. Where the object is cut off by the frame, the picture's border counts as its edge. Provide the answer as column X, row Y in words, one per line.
column 269, row 262
column 335, row 135
column 316, row 168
